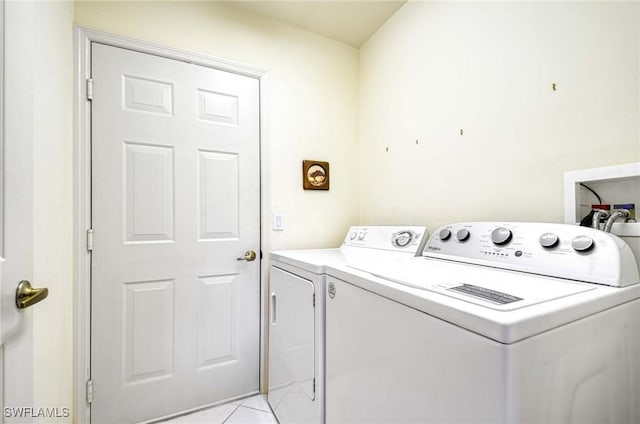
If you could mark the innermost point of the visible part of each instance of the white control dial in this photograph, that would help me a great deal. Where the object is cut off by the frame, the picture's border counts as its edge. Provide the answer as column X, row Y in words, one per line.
column 549, row 240
column 353, row 235
column 501, row 235
column 582, row 243
column 361, row 236
column 463, row 234
column 403, row 238
column 444, row 234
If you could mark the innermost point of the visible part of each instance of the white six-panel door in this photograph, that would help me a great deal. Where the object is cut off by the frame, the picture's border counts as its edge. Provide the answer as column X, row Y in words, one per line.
column 175, row 201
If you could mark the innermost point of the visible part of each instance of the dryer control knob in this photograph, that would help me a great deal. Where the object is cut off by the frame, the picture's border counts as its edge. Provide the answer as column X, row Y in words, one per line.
column 403, row 238
column 463, row 234
column 549, row 240
column 444, row 234
column 582, row 243
column 361, row 236
column 353, row 235
column 501, row 235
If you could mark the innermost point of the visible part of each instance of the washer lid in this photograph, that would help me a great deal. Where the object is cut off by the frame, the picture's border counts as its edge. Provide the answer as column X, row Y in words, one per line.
column 426, row 285
column 490, row 288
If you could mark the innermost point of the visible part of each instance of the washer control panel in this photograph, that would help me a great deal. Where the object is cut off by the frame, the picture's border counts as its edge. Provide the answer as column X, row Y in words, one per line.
column 557, row 250
column 407, row 239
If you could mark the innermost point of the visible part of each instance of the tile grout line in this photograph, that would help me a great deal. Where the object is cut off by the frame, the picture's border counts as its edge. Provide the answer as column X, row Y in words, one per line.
column 257, row 409
column 229, row 416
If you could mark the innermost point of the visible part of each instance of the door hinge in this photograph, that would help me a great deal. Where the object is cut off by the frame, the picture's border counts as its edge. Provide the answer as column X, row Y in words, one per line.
column 314, row 386
column 314, row 300
column 90, row 239
column 89, row 391
column 89, row 89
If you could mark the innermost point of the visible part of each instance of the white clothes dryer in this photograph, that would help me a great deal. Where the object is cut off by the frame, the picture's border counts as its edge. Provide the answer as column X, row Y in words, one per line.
column 498, row 323
column 296, row 330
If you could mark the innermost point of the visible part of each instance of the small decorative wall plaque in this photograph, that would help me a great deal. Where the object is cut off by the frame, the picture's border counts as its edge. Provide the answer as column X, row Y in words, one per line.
column 315, row 175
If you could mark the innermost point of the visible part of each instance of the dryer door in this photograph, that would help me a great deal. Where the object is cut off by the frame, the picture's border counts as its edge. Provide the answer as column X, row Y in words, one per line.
column 292, row 345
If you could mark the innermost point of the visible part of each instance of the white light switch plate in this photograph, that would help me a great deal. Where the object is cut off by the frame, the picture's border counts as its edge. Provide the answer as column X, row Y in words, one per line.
column 278, row 221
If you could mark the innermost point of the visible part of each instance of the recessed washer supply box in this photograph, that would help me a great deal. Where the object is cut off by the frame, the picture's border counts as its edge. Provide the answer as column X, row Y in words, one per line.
column 615, row 185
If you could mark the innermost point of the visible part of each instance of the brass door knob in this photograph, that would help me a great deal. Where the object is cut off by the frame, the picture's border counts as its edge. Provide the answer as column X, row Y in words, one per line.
column 249, row 256
column 27, row 296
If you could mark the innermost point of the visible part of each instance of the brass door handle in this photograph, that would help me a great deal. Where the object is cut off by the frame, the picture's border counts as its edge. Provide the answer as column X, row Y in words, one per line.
column 27, row 296
column 249, row 256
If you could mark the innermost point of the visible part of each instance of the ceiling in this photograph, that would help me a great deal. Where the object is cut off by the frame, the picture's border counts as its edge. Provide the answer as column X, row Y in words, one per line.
column 349, row 21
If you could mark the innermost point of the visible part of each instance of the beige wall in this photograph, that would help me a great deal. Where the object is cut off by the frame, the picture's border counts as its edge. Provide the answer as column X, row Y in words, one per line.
column 488, row 68
column 309, row 105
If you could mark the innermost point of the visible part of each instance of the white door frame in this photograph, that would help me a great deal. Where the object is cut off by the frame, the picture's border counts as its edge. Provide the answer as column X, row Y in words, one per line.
column 1, row 149
column 1, row 182
column 82, row 193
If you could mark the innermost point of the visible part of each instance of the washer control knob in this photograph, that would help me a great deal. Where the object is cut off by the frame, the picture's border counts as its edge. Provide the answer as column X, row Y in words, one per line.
column 353, row 235
column 549, row 240
column 444, row 234
column 361, row 236
column 463, row 234
column 403, row 238
column 501, row 235
column 582, row 243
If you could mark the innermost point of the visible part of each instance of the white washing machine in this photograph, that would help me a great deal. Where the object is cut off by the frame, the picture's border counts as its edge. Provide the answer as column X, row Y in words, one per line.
column 296, row 330
column 501, row 323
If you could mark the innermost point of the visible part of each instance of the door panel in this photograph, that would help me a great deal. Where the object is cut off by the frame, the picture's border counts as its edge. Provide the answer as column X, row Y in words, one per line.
column 148, row 330
column 218, row 195
column 148, row 179
column 216, row 336
column 175, row 200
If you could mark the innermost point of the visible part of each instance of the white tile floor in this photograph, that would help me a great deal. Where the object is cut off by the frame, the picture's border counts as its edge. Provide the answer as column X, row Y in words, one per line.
column 251, row 410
